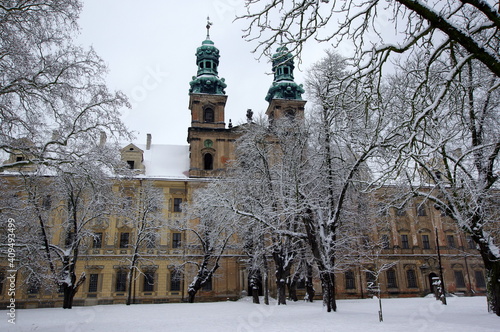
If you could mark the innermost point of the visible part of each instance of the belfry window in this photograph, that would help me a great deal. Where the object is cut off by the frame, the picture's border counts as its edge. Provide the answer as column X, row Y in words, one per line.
column 208, row 162
column 208, row 115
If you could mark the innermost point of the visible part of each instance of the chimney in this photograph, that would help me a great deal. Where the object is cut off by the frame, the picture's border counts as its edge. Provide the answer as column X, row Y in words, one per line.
column 102, row 140
column 148, row 141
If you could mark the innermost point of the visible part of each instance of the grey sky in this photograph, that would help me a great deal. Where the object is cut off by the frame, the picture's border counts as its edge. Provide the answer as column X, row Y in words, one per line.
column 149, row 48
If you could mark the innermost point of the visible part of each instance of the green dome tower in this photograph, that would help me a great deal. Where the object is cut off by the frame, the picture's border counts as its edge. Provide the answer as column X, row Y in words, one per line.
column 284, row 95
column 207, row 60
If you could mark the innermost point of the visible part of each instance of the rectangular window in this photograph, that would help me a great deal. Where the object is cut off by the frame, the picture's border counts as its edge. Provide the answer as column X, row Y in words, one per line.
column 97, row 241
column 47, row 202
column 470, row 242
column 70, row 238
column 412, row 278
column 425, row 241
column 176, row 240
column 149, row 281
column 404, row 241
column 391, row 278
column 34, row 288
column 177, row 204
column 385, row 241
column 121, row 281
column 370, row 279
column 480, row 282
column 93, row 281
column 459, row 279
column 131, row 164
column 150, row 240
column 175, row 281
column 450, row 239
column 124, row 237
column 207, row 287
column 349, row 280
column 421, row 212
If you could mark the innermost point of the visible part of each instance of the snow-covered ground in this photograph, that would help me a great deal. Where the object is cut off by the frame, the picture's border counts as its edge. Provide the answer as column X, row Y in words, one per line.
column 416, row 314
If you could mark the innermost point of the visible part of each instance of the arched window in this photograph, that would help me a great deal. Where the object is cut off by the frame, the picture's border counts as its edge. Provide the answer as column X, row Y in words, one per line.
column 208, row 115
column 208, row 162
column 290, row 114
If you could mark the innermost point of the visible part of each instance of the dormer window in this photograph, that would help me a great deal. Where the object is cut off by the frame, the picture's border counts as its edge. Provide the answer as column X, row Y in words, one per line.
column 19, row 158
column 208, row 115
column 131, row 164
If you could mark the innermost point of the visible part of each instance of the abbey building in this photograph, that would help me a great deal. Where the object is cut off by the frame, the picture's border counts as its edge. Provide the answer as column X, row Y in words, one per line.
column 410, row 242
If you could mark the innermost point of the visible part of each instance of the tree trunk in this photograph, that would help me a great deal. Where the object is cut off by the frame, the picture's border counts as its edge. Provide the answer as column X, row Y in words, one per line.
column 492, row 281
column 265, row 280
column 310, row 292
column 328, row 285
column 68, row 296
column 292, row 289
column 493, row 287
column 191, row 295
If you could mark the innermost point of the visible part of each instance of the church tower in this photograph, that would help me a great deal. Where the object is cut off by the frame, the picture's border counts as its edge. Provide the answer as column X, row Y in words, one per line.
column 284, row 95
column 209, row 140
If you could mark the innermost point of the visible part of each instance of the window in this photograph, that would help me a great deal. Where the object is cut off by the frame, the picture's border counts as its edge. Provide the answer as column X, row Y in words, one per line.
column 149, row 282
column 124, row 237
column 47, row 202
column 459, row 279
column 470, row 242
column 131, row 164
column 425, row 241
column 150, row 240
column 70, row 238
column 450, row 239
column 207, row 287
column 400, row 212
column 290, row 114
column 175, row 281
column 421, row 211
column 121, row 281
column 391, row 278
column 404, row 241
column 93, row 281
column 385, row 241
column 97, row 241
column 370, row 279
column 480, row 282
column 33, row 288
column 208, row 162
column 208, row 115
column 412, row 278
column 176, row 240
column 349, row 280
column 177, row 204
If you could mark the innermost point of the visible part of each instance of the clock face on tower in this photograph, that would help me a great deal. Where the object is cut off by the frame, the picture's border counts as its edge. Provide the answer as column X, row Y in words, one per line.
column 208, row 143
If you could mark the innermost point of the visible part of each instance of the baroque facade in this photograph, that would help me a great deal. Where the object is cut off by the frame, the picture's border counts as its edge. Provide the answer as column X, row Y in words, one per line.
column 410, row 241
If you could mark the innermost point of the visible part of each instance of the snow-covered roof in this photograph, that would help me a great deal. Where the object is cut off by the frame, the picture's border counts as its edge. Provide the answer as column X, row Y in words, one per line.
column 166, row 161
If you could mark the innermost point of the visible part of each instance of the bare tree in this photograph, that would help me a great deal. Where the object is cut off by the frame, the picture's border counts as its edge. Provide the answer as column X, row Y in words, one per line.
column 142, row 213
column 52, row 93
column 57, row 213
column 452, row 153
column 472, row 24
column 209, row 233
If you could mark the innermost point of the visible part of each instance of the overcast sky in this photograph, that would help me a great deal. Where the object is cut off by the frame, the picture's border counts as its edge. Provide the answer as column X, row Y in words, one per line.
column 150, row 51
